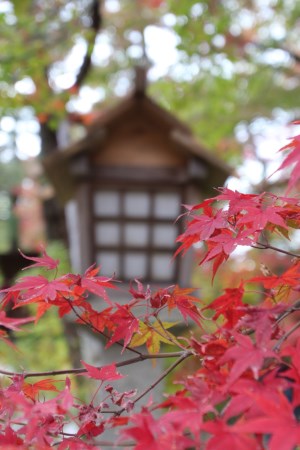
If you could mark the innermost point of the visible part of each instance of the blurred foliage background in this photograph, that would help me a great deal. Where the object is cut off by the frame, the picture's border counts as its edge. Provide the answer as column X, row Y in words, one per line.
column 222, row 66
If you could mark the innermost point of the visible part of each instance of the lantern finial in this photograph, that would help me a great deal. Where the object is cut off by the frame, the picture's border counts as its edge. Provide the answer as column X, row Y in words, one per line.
column 140, row 80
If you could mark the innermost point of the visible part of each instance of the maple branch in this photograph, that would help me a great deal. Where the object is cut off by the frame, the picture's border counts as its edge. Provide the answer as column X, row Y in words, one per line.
column 292, row 309
column 96, row 22
column 102, row 443
column 114, row 445
column 92, row 327
column 184, row 355
column 262, row 246
column 286, row 336
column 99, row 443
column 78, row 371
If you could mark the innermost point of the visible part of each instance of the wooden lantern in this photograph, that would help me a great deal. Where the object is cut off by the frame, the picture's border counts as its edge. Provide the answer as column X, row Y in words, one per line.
column 124, row 185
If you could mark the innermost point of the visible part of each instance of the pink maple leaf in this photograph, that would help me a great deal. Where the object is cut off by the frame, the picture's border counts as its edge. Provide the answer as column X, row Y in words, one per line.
column 11, row 323
column 277, row 419
column 238, row 201
column 43, row 261
column 246, row 355
column 225, row 437
column 37, row 287
column 259, row 218
column 293, row 158
column 96, row 284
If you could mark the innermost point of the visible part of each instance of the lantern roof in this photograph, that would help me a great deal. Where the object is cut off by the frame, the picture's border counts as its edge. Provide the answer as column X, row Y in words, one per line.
column 179, row 137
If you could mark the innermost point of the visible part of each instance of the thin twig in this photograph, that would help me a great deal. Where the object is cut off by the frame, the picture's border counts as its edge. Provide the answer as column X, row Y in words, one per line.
column 292, row 309
column 168, row 335
column 261, row 246
column 114, row 445
column 184, row 355
column 92, row 327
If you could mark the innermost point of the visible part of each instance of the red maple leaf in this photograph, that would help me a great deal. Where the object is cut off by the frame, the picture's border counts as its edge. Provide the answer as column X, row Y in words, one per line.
column 201, row 227
column 42, row 308
column 11, row 323
column 90, row 429
column 95, row 284
column 262, row 320
column 225, row 437
column 244, row 391
column 104, row 373
column 143, row 431
column 185, row 303
column 291, row 277
column 125, row 325
column 187, row 242
column 98, row 320
column 278, row 419
column 212, row 347
column 258, row 217
column 31, row 390
column 10, row 440
column 229, row 305
column 152, row 434
column 237, row 201
column 75, row 443
column 205, row 225
column 140, row 292
column 246, row 355
column 293, row 158
column 292, row 352
column 44, row 261
column 36, row 288
column 226, row 242
column 4, row 338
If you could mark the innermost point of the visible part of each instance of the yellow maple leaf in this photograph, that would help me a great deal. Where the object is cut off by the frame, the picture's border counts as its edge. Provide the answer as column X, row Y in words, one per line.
column 152, row 334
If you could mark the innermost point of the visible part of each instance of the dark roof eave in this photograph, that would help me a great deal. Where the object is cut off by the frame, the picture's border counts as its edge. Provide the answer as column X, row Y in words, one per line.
column 188, row 143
